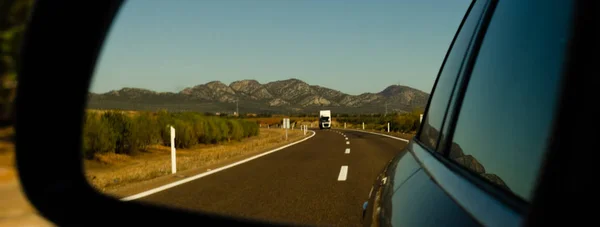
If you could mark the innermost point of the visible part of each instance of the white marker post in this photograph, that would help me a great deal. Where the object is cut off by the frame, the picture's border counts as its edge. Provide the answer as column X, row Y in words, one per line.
column 363, row 126
column 421, row 118
column 344, row 124
column 388, row 127
column 173, row 158
column 286, row 125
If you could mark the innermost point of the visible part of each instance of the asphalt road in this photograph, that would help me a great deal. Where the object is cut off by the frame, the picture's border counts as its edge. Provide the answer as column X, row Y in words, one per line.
column 300, row 184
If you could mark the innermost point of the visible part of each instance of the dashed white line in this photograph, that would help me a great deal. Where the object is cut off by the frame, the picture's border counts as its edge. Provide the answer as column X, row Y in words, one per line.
column 346, row 138
column 343, row 173
column 347, row 142
column 347, row 151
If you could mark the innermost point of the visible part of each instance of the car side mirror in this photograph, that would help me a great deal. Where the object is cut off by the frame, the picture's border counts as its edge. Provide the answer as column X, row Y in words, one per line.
column 48, row 146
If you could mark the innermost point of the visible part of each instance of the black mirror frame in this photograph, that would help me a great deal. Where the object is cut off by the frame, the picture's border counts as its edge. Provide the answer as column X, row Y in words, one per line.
column 51, row 171
column 48, row 145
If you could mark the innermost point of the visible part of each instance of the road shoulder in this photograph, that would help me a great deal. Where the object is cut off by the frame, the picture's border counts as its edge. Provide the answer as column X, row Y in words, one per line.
column 144, row 186
column 379, row 134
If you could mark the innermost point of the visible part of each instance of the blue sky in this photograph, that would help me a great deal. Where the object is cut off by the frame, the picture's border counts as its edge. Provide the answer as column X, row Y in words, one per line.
column 354, row 46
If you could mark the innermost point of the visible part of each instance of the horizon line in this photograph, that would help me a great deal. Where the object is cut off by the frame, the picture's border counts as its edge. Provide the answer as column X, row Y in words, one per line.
column 229, row 85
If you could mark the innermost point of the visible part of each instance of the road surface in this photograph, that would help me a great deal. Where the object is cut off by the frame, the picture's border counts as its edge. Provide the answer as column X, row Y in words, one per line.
column 317, row 182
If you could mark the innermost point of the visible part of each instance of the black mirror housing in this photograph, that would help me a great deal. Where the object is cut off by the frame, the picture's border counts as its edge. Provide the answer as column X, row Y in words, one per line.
column 48, row 146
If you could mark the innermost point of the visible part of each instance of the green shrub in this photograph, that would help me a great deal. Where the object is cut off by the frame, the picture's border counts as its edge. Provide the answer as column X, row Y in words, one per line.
column 236, row 131
column 97, row 136
column 224, row 129
column 163, row 120
column 117, row 132
column 250, row 128
column 146, row 131
column 184, row 134
column 214, row 131
column 200, row 129
column 121, row 131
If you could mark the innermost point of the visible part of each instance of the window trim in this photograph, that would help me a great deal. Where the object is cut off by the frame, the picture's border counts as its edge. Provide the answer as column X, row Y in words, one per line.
column 454, row 105
column 471, row 51
column 509, row 198
column 437, row 78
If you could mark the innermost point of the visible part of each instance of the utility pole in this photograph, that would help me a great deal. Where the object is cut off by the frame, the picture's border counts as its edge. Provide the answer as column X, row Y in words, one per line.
column 237, row 110
column 385, row 109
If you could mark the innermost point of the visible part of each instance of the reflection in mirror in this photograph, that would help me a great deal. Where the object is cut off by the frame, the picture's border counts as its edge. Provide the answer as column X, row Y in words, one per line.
column 189, row 95
column 471, row 163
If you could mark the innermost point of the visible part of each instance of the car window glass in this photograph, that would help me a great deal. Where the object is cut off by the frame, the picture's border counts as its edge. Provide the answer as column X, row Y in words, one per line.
column 507, row 112
column 443, row 90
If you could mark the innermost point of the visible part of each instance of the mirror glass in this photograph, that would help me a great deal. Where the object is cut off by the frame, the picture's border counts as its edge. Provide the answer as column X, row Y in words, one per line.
column 258, row 109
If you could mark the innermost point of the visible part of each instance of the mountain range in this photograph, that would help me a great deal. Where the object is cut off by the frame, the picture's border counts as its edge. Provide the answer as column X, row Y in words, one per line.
column 283, row 96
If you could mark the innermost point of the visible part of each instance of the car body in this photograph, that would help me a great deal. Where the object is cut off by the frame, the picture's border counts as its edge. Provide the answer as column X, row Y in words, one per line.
column 477, row 155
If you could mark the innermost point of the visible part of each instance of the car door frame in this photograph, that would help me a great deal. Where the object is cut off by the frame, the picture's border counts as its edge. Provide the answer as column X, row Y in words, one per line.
column 522, row 212
column 447, row 173
column 438, row 167
column 552, row 193
column 450, row 177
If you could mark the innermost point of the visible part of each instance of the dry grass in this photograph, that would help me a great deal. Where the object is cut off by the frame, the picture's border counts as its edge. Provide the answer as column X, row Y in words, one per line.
column 109, row 171
column 7, row 132
column 278, row 119
column 15, row 209
column 111, row 159
column 7, row 148
column 7, row 154
column 129, row 113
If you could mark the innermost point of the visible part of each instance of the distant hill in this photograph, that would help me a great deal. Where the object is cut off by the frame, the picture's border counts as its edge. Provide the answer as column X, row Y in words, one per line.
column 283, row 96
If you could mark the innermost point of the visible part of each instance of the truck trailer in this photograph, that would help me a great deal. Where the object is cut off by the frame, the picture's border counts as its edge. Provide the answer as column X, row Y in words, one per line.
column 325, row 119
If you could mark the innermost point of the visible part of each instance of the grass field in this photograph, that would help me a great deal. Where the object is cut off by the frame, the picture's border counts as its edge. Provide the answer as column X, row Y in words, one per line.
column 110, row 171
column 403, row 123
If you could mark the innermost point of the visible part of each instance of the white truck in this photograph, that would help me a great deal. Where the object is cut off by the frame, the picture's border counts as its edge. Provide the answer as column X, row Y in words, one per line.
column 325, row 119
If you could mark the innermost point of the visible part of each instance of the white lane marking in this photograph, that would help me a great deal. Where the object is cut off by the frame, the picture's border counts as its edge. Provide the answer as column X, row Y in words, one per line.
column 346, row 138
column 343, row 173
column 379, row 134
column 176, row 183
column 347, row 142
column 347, row 151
